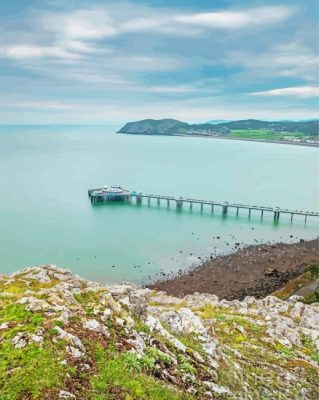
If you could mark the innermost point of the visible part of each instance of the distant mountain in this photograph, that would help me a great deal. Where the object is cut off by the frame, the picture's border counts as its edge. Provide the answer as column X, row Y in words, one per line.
column 170, row 127
column 175, row 127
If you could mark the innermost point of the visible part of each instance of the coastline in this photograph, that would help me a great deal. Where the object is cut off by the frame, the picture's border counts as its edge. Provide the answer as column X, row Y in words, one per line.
column 256, row 270
column 228, row 138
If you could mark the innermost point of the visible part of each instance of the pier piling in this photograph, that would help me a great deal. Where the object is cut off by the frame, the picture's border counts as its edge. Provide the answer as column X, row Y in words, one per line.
column 116, row 193
column 224, row 210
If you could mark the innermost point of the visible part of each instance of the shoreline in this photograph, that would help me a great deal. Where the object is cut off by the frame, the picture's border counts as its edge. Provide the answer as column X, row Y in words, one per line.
column 228, row 138
column 256, row 270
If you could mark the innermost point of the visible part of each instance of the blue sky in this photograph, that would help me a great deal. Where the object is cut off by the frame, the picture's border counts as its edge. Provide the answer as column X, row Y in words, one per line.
column 113, row 61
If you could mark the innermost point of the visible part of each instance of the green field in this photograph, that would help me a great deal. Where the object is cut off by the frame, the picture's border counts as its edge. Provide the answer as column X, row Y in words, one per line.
column 263, row 134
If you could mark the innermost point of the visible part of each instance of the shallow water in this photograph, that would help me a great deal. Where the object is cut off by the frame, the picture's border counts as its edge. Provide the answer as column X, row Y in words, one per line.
column 46, row 216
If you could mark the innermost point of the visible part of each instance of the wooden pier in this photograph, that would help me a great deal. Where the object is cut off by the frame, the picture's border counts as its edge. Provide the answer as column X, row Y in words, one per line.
column 108, row 194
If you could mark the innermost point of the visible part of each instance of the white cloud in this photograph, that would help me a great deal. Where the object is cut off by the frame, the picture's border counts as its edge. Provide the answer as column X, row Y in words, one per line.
column 110, row 21
column 32, row 51
column 237, row 19
column 301, row 91
column 283, row 60
column 40, row 105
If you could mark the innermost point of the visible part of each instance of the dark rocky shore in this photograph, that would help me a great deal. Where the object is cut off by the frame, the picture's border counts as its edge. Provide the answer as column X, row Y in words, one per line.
column 256, row 270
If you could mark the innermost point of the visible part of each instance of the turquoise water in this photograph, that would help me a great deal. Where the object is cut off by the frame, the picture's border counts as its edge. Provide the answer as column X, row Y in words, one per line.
column 46, row 216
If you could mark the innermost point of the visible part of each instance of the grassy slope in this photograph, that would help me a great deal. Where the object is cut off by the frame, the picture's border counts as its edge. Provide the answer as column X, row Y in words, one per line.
column 263, row 134
column 39, row 372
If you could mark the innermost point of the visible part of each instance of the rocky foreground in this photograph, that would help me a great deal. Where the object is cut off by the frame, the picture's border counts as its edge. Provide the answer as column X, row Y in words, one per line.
column 63, row 337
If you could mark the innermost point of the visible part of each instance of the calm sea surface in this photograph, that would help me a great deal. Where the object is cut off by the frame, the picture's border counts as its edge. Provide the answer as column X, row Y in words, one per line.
column 46, row 217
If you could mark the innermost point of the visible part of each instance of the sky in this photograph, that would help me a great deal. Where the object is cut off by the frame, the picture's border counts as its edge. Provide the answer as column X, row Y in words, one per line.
column 93, row 62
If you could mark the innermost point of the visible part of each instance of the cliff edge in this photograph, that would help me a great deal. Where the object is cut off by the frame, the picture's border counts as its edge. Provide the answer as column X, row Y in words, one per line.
column 63, row 337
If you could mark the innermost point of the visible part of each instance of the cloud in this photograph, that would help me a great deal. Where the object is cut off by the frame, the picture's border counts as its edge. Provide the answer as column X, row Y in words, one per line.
column 126, row 18
column 301, row 91
column 33, row 51
column 259, row 16
column 284, row 60
column 40, row 105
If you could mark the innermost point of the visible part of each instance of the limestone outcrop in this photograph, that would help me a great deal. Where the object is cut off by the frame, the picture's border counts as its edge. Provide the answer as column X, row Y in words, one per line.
column 198, row 347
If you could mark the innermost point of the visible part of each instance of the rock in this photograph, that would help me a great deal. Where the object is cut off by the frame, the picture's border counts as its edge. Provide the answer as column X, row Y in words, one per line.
column 137, row 342
column 37, row 338
column 107, row 314
column 310, row 317
column 119, row 321
column 41, row 276
column 120, row 290
column 4, row 325
column 19, row 341
column 34, row 304
column 74, row 352
column 183, row 321
column 63, row 394
column 155, row 325
column 217, row 389
column 68, row 337
column 94, row 325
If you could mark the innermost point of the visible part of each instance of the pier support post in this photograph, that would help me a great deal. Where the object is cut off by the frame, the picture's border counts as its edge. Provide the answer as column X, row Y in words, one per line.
column 190, row 205
column 167, row 202
column 276, row 215
column 305, row 218
column 149, row 201
column 138, row 200
column 262, row 214
column 179, row 204
column 158, row 202
column 212, row 208
column 249, row 213
column 237, row 211
column 225, row 210
column 201, row 207
column 292, row 215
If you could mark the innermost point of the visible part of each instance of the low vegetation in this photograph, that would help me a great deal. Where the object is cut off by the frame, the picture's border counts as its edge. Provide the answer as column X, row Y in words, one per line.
column 62, row 337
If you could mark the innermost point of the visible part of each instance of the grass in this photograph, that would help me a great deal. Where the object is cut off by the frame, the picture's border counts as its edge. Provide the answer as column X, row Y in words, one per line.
column 25, row 373
column 294, row 284
column 118, row 377
column 263, row 134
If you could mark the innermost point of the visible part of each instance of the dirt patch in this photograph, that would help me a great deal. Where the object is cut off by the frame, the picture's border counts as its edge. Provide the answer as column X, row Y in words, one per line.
column 255, row 270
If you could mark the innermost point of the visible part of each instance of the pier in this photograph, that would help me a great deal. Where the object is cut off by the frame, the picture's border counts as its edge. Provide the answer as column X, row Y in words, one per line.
column 116, row 193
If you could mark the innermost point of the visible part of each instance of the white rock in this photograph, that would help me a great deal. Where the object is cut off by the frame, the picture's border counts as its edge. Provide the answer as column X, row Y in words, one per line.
column 155, row 325
column 37, row 338
column 95, row 326
column 19, row 341
column 34, row 304
column 184, row 320
column 119, row 321
column 216, row 388
column 310, row 317
column 63, row 394
column 68, row 337
column 74, row 352
column 107, row 313
column 41, row 277
column 3, row 326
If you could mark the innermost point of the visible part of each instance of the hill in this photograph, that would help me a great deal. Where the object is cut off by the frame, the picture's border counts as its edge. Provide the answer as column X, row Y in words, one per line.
column 250, row 128
column 63, row 337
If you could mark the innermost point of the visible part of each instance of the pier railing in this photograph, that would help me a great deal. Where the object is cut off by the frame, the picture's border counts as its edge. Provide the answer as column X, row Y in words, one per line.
column 180, row 203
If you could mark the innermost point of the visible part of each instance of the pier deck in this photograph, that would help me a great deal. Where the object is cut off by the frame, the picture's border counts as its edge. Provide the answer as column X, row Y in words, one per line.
column 97, row 195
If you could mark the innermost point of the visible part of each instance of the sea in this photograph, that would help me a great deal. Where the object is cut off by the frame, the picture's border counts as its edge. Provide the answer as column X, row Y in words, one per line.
column 46, row 216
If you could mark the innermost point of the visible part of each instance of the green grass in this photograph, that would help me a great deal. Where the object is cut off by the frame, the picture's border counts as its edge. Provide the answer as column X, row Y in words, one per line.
column 263, row 134
column 119, row 377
